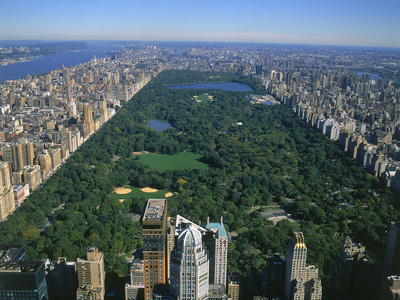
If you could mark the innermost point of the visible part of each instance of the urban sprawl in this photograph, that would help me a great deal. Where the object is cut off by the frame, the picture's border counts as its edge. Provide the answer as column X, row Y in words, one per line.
column 45, row 118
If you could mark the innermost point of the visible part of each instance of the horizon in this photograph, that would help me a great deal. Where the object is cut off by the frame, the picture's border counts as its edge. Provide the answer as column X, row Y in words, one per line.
column 8, row 43
column 366, row 23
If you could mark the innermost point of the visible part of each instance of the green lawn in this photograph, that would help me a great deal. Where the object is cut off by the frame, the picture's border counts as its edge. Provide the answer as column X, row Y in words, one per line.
column 138, row 193
column 203, row 98
column 165, row 162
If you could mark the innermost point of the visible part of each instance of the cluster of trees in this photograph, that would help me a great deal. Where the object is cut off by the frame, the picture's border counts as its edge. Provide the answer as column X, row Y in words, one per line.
column 272, row 156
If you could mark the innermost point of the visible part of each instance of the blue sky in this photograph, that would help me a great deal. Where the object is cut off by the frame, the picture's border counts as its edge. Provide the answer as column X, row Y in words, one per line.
column 350, row 22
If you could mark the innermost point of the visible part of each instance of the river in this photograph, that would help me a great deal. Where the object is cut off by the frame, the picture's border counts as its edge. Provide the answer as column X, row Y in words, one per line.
column 47, row 63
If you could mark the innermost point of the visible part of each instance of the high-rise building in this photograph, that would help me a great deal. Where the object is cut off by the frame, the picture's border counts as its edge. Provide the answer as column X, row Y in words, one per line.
column 45, row 164
column 5, row 181
column 62, row 280
column 301, row 281
column 189, row 266
column 391, row 288
column 136, row 284
column 347, row 268
column 217, row 245
column 234, row 286
column 216, row 240
column 154, row 224
column 67, row 85
column 103, row 108
column 392, row 259
column 170, row 246
column 21, row 279
column 88, row 117
column 275, row 276
column 19, row 154
column 32, row 176
column 7, row 203
column 91, row 275
column 259, row 69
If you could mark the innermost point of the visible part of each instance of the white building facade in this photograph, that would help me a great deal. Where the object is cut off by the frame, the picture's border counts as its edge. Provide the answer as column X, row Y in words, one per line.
column 189, row 266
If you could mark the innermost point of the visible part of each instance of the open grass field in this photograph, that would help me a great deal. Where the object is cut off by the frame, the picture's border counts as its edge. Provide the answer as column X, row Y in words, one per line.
column 178, row 161
column 203, row 98
column 139, row 193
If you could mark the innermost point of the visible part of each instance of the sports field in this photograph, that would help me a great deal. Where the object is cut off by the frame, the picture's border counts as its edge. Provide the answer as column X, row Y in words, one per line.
column 128, row 191
column 203, row 98
column 178, row 161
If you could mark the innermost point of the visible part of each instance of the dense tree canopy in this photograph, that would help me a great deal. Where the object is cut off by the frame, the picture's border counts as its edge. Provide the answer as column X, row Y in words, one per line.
column 272, row 156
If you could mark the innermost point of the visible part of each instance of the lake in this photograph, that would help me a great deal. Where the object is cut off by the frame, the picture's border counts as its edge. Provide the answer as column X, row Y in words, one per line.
column 226, row 86
column 263, row 102
column 47, row 63
column 159, row 126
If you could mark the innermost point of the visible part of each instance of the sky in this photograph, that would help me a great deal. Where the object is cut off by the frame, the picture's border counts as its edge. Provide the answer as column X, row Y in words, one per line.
column 322, row 22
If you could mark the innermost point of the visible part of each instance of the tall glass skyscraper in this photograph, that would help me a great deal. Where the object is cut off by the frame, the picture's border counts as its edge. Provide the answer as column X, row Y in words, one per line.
column 189, row 266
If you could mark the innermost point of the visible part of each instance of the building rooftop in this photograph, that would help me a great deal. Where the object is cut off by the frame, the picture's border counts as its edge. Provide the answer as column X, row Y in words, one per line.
column 220, row 227
column 10, row 255
column 137, row 265
column 190, row 237
column 154, row 210
column 21, row 267
column 182, row 223
column 17, row 188
column 299, row 240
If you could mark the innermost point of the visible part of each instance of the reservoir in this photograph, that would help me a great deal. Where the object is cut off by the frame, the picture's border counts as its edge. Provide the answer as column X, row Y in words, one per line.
column 159, row 126
column 225, row 86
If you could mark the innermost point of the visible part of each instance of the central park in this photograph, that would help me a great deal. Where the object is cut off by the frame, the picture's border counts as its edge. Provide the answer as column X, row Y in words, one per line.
column 225, row 157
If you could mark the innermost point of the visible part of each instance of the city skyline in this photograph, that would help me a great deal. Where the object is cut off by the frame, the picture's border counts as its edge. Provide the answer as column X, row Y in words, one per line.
column 357, row 23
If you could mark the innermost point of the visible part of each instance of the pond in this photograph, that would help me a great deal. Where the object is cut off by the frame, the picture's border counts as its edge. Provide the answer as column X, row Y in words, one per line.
column 158, row 125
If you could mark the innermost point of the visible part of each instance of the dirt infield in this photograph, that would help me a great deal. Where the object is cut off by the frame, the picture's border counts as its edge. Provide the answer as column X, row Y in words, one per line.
column 148, row 190
column 140, row 153
column 168, row 194
column 122, row 191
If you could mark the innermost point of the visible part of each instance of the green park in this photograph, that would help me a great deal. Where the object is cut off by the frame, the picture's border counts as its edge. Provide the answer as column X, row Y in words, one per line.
column 163, row 162
column 212, row 168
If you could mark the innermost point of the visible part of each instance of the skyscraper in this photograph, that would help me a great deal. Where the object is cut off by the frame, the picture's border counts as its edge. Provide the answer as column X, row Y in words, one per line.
column 189, row 266
column 216, row 240
column 170, row 246
column 154, row 245
column 19, row 154
column 91, row 275
column 348, row 266
column 259, row 69
column 391, row 288
column 21, row 279
column 88, row 117
column 136, row 283
column 234, row 286
column 218, row 247
column 7, row 203
column 392, row 259
column 301, row 281
column 275, row 276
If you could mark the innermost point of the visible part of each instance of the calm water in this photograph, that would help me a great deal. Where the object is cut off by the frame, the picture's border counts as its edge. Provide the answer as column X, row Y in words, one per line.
column 371, row 75
column 158, row 125
column 266, row 102
column 47, row 63
column 226, row 86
